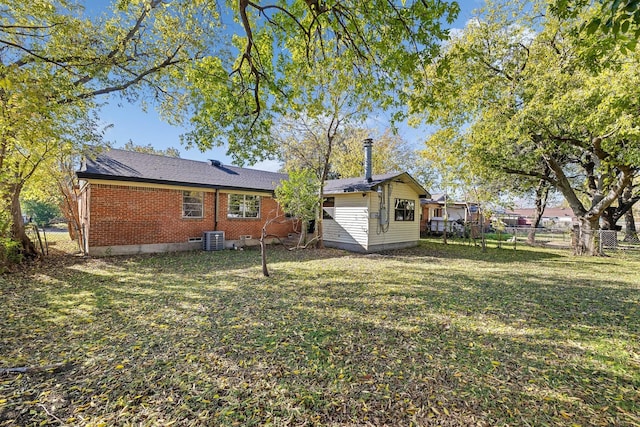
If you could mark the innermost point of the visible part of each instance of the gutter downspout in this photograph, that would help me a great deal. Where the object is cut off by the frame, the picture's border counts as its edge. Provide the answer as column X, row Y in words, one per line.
column 215, row 214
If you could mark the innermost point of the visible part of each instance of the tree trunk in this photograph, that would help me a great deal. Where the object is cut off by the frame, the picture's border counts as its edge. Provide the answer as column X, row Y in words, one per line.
column 612, row 214
column 608, row 219
column 444, row 230
column 304, row 229
column 585, row 241
column 630, row 233
column 18, row 233
column 69, row 208
column 483, row 242
column 601, row 199
column 263, row 251
column 445, row 217
column 320, row 242
column 542, row 193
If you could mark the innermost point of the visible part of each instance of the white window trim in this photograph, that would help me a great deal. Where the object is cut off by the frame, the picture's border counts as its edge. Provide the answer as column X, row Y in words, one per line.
column 192, row 193
column 243, row 206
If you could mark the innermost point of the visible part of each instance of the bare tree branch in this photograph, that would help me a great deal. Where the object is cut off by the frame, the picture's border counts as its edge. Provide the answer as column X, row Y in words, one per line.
column 169, row 61
column 120, row 47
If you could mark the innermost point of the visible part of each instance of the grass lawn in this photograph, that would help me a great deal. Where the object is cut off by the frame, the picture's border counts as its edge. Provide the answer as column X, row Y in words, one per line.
column 436, row 335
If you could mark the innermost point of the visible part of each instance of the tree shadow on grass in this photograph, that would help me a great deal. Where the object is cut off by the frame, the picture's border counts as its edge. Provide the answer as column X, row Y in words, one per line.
column 536, row 355
column 345, row 339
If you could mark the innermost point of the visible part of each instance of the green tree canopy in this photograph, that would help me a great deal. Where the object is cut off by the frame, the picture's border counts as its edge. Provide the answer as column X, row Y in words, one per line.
column 291, row 52
column 620, row 18
column 516, row 96
column 42, row 211
column 150, row 149
column 298, row 196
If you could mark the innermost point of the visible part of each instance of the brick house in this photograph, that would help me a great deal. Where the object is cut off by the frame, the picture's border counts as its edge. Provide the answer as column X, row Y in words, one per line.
column 132, row 202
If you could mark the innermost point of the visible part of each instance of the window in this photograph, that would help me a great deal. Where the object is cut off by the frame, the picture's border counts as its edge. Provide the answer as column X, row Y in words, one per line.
column 405, row 210
column 437, row 213
column 328, row 207
column 192, row 204
column 243, row 206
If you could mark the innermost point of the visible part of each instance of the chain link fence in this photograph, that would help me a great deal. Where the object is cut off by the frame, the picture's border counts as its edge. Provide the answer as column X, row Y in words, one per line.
column 611, row 240
column 559, row 237
column 607, row 240
column 555, row 237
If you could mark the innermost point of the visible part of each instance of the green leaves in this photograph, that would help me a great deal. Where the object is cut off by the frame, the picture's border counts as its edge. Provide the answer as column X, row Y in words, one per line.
column 517, row 96
column 59, row 63
column 309, row 59
column 593, row 26
column 298, row 195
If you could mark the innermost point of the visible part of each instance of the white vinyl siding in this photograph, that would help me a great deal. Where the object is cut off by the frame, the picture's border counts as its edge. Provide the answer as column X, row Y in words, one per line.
column 398, row 231
column 356, row 221
column 350, row 224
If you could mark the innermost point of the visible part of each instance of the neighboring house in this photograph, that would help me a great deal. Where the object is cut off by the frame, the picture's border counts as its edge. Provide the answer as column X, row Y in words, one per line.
column 457, row 214
column 134, row 202
column 373, row 213
column 551, row 218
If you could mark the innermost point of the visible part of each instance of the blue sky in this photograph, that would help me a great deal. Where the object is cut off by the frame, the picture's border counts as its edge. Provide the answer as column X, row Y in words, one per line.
column 129, row 122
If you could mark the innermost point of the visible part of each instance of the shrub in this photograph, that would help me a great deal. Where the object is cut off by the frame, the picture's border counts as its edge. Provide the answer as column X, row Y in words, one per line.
column 42, row 212
column 9, row 253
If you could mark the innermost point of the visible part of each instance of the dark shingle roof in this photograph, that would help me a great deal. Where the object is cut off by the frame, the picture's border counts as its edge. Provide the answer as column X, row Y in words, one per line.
column 350, row 185
column 124, row 165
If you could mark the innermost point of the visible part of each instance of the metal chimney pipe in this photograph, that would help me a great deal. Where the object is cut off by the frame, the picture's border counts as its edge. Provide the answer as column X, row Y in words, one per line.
column 367, row 159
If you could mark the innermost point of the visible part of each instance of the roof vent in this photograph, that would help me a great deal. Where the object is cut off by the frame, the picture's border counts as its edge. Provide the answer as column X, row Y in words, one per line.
column 216, row 163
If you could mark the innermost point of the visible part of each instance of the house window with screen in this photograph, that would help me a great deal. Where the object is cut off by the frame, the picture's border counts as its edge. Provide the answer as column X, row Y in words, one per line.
column 192, row 203
column 328, row 207
column 437, row 212
column 243, row 206
column 405, row 210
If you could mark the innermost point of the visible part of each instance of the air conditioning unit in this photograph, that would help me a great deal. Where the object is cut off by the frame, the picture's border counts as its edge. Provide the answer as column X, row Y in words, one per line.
column 213, row 241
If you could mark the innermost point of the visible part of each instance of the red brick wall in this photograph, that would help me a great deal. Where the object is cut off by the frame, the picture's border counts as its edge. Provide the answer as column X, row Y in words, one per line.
column 126, row 215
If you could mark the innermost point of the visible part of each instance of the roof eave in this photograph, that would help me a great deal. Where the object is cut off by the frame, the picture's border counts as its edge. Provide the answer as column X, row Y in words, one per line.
column 370, row 186
column 85, row 175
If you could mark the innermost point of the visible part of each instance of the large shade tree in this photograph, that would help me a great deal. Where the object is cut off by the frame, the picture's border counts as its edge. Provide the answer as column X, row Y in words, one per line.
column 391, row 153
column 305, row 71
column 519, row 98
